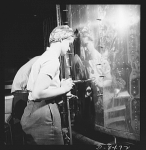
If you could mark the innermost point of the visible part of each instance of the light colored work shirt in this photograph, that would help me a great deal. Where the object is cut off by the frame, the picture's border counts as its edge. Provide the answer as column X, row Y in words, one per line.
column 48, row 65
column 21, row 77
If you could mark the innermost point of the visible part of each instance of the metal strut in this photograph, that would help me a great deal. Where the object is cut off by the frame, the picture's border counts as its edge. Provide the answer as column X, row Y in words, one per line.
column 85, row 139
column 58, row 15
column 69, row 120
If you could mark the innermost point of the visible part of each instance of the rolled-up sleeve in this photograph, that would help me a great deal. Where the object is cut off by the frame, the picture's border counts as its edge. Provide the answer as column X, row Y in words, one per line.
column 50, row 68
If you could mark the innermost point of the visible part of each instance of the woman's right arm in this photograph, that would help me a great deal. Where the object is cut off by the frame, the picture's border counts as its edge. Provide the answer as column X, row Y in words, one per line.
column 42, row 87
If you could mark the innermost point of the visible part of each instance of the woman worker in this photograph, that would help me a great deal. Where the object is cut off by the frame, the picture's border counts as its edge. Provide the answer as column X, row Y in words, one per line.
column 41, row 119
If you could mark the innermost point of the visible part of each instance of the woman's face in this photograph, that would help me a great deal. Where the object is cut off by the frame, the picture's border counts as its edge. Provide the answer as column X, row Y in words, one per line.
column 66, row 45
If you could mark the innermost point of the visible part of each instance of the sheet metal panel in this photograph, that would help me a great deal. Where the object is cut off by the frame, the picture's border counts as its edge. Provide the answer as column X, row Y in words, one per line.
column 114, row 109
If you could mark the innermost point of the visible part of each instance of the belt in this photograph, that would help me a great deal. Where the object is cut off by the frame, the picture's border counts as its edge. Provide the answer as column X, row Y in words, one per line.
column 21, row 91
column 40, row 100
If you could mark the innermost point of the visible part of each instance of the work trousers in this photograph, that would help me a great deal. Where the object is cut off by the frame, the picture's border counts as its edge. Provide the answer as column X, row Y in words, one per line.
column 42, row 123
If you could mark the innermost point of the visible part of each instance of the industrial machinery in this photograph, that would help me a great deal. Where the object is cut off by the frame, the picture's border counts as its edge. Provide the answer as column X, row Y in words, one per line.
column 113, row 109
column 104, row 63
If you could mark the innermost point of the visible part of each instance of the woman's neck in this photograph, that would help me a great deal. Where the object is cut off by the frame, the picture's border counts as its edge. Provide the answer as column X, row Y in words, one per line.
column 55, row 49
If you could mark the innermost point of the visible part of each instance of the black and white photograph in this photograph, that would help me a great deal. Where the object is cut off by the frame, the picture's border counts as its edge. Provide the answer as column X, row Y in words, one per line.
column 92, row 97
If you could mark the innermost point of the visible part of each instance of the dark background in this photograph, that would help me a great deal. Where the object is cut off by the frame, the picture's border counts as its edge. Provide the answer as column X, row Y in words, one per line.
column 23, row 36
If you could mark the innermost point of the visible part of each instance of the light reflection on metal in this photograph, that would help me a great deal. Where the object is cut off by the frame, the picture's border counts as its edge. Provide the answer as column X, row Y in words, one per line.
column 122, row 19
column 108, row 29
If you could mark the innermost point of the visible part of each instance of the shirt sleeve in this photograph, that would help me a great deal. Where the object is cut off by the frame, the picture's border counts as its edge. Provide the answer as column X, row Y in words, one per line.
column 50, row 68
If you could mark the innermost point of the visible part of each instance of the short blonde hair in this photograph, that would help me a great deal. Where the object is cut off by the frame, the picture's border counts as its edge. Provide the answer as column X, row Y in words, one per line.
column 60, row 33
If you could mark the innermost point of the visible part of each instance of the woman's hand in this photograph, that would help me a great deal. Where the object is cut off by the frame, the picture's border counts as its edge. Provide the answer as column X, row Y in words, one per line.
column 67, row 84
